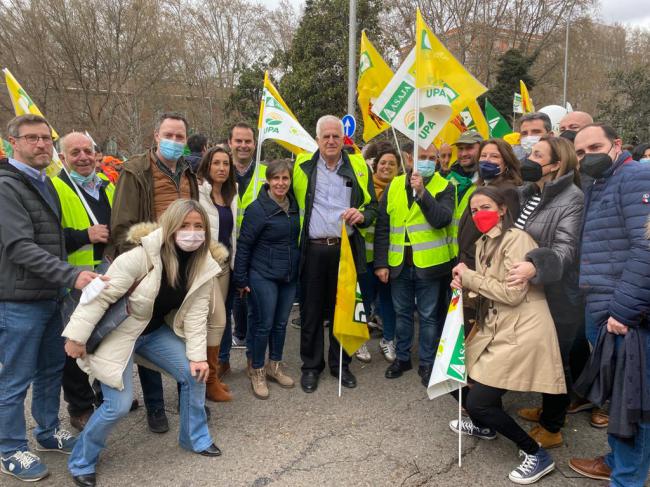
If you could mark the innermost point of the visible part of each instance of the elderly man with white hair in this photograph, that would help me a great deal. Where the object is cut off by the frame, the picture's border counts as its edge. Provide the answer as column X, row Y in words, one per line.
column 331, row 188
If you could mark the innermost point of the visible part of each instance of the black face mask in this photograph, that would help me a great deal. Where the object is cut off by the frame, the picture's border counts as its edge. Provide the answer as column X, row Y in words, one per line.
column 531, row 171
column 595, row 165
column 570, row 135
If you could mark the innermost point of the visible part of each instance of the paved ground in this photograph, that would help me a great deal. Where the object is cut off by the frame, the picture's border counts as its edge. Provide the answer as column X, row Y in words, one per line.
column 382, row 433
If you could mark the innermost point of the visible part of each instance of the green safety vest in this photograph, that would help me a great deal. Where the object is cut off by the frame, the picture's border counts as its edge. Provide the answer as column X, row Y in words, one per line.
column 300, row 182
column 251, row 192
column 431, row 246
column 74, row 216
column 458, row 213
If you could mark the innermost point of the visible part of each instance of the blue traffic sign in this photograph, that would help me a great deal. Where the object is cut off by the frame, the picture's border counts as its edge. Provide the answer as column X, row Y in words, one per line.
column 349, row 125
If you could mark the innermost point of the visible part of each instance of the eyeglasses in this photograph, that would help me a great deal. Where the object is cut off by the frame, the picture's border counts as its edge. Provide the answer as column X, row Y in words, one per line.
column 33, row 139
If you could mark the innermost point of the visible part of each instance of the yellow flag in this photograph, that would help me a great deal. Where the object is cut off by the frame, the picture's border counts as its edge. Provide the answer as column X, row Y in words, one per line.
column 23, row 105
column 436, row 67
column 374, row 75
column 350, row 323
column 526, row 100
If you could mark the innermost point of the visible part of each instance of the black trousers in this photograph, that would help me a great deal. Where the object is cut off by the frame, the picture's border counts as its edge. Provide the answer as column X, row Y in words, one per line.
column 77, row 391
column 318, row 298
column 484, row 406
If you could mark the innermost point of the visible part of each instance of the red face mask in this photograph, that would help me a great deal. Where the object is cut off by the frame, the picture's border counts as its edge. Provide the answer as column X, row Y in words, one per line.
column 485, row 220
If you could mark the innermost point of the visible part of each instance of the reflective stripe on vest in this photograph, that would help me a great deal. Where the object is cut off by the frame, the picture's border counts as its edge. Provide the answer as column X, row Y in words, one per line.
column 74, row 216
column 431, row 246
column 300, row 182
column 458, row 213
column 250, row 195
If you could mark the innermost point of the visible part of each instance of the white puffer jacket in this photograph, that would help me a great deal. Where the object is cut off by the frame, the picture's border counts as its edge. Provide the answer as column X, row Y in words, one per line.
column 205, row 198
column 199, row 320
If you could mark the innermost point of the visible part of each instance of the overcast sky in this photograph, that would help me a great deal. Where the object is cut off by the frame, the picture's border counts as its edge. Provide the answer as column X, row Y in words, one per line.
column 632, row 12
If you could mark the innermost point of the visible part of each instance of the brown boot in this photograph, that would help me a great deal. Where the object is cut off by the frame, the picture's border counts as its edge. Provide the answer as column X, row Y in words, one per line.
column 530, row 414
column 599, row 418
column 214, row 388
column 545, row 438
column 222, row 369
column 275, row 372
column 594, row 468
column 258, row 383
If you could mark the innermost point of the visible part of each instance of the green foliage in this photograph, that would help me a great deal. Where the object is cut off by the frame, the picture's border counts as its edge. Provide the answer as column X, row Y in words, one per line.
column 315, row 83
column 513, row 66
column 627, row 108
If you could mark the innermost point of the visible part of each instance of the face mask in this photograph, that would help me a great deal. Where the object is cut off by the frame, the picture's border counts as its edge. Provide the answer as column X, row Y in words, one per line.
column 595, row 165
column 485, row 220
column 82, row 180
column 645, row 160
column 569, row 135
column 488, row 170
column 189, row 240
column 529, row 141
column 171, row 150
column 426, row 168
column 531, row 171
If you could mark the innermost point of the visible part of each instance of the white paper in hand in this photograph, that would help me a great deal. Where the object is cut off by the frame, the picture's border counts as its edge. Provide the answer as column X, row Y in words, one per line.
column 92, row 290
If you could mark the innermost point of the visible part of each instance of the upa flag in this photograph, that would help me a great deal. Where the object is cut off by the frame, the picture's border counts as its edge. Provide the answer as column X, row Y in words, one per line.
column 498, row 125
column 526, row 101
column 449, row 367
column 23, row 105
column 471, row 118
column 517, row 107
column 350, row 322
column 374, row 75
column 278, row 123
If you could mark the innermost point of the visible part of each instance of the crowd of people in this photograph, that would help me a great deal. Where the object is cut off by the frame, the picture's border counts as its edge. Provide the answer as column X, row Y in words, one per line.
column 175, row 259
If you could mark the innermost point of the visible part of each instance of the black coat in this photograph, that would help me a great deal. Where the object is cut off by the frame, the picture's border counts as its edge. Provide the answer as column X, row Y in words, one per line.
column 268, row 241
column 556, row 225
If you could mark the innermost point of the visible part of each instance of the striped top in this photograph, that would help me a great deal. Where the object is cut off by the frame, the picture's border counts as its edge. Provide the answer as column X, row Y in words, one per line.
column 527, row 210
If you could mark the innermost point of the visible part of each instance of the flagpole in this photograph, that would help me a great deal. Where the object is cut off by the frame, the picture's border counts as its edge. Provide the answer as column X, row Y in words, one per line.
column 401, row 159
column 460, row 436
column 417, row 129
column 258, row 155
column 340, row 365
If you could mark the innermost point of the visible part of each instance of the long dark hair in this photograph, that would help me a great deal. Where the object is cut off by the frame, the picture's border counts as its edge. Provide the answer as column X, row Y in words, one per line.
column 512, row 171
column 229, row 187
column 507, row 222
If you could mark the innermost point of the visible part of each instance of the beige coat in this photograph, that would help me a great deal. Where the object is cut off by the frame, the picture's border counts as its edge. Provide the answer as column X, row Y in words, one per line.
column 516, row 346
column 199, row 320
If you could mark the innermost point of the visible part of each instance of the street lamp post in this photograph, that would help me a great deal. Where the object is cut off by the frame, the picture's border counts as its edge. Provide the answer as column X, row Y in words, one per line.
column 352, row 51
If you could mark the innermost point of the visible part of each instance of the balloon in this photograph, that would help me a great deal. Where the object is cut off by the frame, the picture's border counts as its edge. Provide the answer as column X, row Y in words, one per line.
column 555, row 113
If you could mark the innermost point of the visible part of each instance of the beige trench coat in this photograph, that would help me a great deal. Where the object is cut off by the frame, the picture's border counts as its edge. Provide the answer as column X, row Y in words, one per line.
column 515, row 347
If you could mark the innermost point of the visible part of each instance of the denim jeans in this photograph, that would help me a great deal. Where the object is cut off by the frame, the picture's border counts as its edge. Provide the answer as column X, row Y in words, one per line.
column 167, row 351
column 31, row 352
column 410, row 291
column 226, row 338
column 372, row 288
column 270, row 303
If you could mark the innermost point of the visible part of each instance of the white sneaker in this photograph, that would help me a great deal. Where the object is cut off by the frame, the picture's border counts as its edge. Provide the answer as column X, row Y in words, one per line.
column 363, row 354
column 387, row 348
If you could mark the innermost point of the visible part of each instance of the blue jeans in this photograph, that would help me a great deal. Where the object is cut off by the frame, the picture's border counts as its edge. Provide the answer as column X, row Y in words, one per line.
column 270, row 303
column 372, row 288
column 31, row 352
column 167, row 351
column 407, row 290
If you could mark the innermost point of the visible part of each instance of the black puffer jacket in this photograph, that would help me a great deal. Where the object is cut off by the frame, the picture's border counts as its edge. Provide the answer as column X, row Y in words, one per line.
column 32, row 245
column 556, row 225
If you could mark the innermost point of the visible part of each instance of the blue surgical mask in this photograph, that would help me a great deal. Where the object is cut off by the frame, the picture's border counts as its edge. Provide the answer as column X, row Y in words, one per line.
column 488, row 170
column 645, row 160
column 82, row 180
column 426, row 168
column 171, row 150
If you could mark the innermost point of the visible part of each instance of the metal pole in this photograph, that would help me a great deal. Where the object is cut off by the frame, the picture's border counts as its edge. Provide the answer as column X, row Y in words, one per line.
column 352, row 56
column 566, row 61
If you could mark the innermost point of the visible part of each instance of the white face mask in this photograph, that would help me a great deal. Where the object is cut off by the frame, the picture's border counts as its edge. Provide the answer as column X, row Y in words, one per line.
column 189, row 240
column 529, row 141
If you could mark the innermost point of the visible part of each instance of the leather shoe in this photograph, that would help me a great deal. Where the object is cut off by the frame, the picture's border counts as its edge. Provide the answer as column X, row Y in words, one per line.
column 309, row 381
column 85, row 480
column 397, row 368
column 599, row 418
column 211, row 451
column 594, row 468
column 347, row 378
column 157, row 421
column 79, row 422
column 424, row 371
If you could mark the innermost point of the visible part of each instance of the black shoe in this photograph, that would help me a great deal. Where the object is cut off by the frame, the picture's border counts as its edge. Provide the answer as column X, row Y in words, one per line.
column 207, row 412
column 309, row 381
column 85, row 480
column 347, row 378
column 211, row 451
column 158, row 421
column 134, row 405
column 397, row 368
column 424, row 371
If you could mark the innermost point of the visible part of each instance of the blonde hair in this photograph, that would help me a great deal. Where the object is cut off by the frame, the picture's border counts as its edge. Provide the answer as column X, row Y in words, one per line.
column 562, row 151
column 171, row 221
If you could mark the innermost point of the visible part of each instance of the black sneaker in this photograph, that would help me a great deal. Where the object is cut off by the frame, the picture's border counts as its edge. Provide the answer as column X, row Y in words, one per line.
column 397, row 368
column 157, row 421
column 424, row 371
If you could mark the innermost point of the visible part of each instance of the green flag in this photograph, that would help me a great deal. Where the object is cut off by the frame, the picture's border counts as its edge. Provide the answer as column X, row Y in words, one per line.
column 498, row 125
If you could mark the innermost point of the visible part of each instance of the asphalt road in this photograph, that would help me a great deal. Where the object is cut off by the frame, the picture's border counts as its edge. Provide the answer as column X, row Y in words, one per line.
column 383, row 433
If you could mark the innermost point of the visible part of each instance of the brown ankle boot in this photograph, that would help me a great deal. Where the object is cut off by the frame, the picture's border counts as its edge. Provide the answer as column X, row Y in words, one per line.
column 275, row 372
column 545, row 438
column 214, row 388
column 258, row 383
